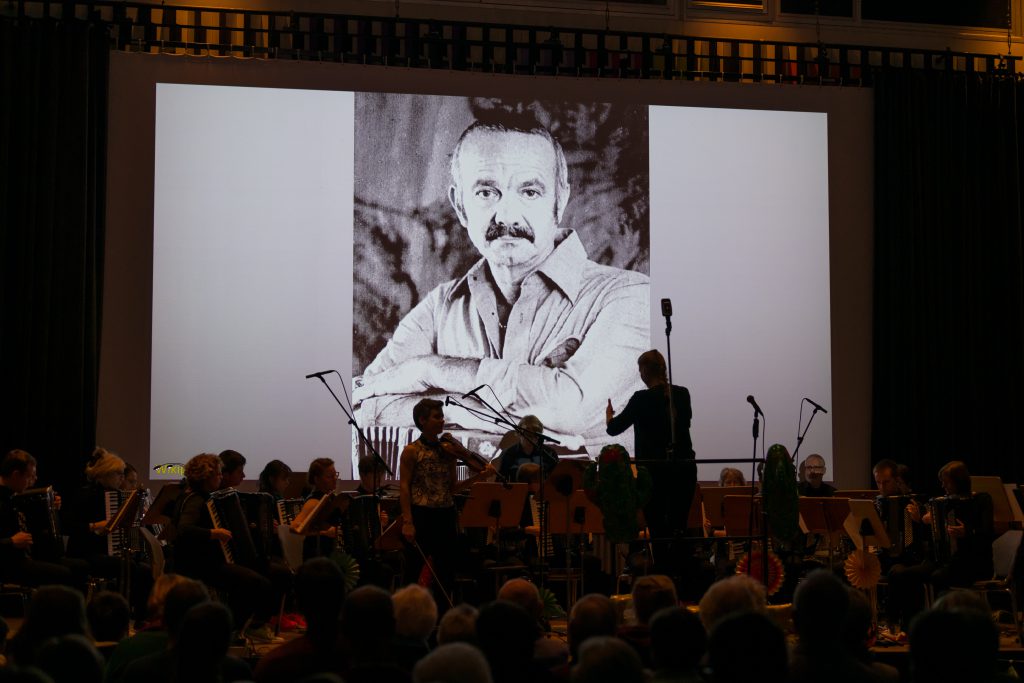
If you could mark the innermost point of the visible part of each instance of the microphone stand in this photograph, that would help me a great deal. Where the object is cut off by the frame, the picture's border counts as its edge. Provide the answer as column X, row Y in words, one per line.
column 755, row 432
column 379, row 461
column 800, row 435
column 671, row 401
column 537, row 438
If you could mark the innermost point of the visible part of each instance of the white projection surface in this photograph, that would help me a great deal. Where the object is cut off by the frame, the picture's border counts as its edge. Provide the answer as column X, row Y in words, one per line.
column 252, row 272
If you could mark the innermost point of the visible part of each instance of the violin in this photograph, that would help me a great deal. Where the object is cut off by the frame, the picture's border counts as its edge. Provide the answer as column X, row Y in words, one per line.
column 471, row 459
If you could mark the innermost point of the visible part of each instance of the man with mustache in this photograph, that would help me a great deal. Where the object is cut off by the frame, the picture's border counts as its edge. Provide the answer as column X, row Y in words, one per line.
column 552, row 332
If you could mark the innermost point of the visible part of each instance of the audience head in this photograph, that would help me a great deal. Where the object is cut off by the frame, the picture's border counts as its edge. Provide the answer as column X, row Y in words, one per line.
column 592, row 615
column 857, row 626
column 458, row 625
column 158, row 596
column 71, row 659
column 746, row 647
column 105, row 468
column 368, row 622
column 606, row 659
column 524, row 594
column 956, row 645
column 180, row 599
column 955, row 479
column 736, row 594
column 453, row 663
column 234, row 468
column 962, row 601
column 109, row 615
column 678, row 639
column 884, row 472
column 203, row 472
column 203, row 641
column 18, row 470
column 415, row 612
column 506, row 633
column 54, row 611
column 819, row 605
column 652, row 593
column 274, row 477
column 319, row 593
column 730, row 476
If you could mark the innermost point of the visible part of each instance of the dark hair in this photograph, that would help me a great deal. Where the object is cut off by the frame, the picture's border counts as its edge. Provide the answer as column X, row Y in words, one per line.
column 368, row 621
column 678, row 639
column 819, row 606
column 202, row 642
column 70, row 658
column 232, row 460
column 128, row 469
column 319, row 593
column 935, row 635
column 957, row 473
column 368, row 464
column 54, row 611
column 885, row 464
column 423, row 409
column 748, row 647
column 275, row 469
column 16, row 461
column 317, row 468
column 108, row 614
column 652, row 593
column 180, row 600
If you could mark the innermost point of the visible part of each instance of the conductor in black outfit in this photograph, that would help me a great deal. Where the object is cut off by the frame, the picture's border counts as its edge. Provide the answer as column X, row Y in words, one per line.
column 673, row 472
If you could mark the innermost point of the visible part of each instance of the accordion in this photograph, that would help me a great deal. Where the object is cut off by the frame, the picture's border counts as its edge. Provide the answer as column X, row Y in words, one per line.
column 943, row 511
column 38, row 515
column 288, row 509
column 893, row 511
column 124, row 510
column 227, row 512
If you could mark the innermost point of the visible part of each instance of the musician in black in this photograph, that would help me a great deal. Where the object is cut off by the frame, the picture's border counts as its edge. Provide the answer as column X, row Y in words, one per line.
column 233, row 472
column 19, row 562
column 274, row 479
column 962, row 554
column 323, row 477
column 198, row 555
column 673, row 472
column 428, row 480
column 526, row 450
column 85, row 522
column 813, row 484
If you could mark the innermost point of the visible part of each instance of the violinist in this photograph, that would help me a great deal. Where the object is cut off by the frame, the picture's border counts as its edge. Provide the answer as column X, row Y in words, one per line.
column 428, row 479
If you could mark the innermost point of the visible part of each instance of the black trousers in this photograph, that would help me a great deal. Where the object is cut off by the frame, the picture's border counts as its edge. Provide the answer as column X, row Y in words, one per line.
column 438, row 538
column 65, row 572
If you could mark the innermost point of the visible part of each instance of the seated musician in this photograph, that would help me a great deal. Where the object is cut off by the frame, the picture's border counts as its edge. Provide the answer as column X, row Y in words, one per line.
column 233, row 472
column 323, row 477
column 198, row 554
column 525, row 450
column 20, row 561
column 428, row 479
column 85, row 523
column 131, row 478
column 892, row 483
column 968, row 522
column 274, row 479
column 813, row 484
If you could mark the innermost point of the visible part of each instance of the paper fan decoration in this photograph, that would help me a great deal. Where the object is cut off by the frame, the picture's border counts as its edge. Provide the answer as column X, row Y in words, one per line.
column 750, row 564
column 348, row 566
column 863, row 570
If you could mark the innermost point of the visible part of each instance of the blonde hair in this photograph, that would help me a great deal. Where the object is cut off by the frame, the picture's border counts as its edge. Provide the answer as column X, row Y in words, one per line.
column 102, row 463
column 415, row 611
column 201, row 467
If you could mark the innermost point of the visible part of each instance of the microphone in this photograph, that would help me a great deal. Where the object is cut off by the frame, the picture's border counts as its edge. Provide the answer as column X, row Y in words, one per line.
column 666, row 308
column 473, row 392
column 816, row 406
column 757, row 408
column 447, row 400
column 319, row 374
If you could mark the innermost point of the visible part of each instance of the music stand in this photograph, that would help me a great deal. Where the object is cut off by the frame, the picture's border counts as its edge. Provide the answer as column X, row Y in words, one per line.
column 864, row 511
column 714, row 501
column 736, row 516
column 563, row 479
column 695, row 517
column 494, row 506
column 319, row 518
column 1013, row 496
column 824, row 516
column 124, row 521
column 159, row 513
column 859, row 494
column 574, row 514
column 1002, row 513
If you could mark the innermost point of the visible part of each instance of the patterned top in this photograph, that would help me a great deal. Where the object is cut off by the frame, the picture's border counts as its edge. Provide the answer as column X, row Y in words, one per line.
column 431, row 484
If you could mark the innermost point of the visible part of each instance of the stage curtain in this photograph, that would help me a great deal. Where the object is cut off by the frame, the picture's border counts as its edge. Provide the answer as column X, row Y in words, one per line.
column 948, row 293
column 53, row 85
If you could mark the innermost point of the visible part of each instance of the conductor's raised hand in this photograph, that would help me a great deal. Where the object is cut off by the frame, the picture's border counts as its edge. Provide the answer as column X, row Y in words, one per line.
column 609, row 412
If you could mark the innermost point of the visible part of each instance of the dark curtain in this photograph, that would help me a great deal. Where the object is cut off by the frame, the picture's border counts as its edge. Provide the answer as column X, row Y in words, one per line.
column 948, row 297
column 53, row 85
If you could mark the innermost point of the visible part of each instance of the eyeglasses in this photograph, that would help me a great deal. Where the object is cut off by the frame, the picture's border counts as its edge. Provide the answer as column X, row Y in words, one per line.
column 815, row 468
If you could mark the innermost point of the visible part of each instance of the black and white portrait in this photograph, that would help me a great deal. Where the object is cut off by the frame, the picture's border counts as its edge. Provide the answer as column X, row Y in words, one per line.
column 500, row 243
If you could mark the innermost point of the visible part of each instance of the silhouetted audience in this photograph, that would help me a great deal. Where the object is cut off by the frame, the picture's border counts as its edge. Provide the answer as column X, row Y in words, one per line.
column 453, row 663
column 507, row 633
column 547, row 652
column 153, row 637
column 819, row 609
column 319, row 593
column 746, row 647
column 415, row 619
column 368, row 626
column 650, row 594
column 606, row 659
column 953, row 646
column 678, row 643
column 592, row 615
column 458, row 625
column 71, row 659
column 109, row 616
column 734, row 595
column 857, row 633
column 55, row 611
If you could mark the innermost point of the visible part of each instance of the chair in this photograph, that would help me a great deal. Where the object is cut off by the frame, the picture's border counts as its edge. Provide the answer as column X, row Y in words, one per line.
column 1004, row 558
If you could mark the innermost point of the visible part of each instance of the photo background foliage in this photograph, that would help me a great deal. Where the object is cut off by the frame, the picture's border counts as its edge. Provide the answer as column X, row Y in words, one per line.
column 407, row 238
